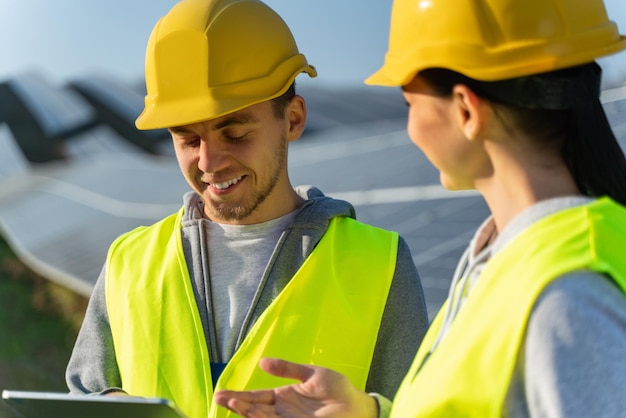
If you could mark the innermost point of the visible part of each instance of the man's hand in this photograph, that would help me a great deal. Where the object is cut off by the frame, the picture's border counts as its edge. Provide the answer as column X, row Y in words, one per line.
column 114, row 392
column 321, row 393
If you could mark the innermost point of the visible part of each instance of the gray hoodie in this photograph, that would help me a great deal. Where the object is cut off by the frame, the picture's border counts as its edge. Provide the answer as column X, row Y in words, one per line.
column 92, row 367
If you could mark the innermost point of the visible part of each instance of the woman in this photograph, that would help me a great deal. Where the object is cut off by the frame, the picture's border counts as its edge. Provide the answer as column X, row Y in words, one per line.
column 503, row 98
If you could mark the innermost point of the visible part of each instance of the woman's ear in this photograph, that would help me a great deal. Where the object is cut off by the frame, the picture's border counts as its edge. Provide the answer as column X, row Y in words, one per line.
column 295, row 113
column 470, row 112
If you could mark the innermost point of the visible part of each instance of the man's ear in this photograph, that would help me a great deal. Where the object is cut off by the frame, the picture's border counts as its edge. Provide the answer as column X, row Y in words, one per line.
column 295, row 113
column 470, row 112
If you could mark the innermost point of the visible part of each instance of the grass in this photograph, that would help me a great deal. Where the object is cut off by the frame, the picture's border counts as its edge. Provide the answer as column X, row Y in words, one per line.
column 39, row 321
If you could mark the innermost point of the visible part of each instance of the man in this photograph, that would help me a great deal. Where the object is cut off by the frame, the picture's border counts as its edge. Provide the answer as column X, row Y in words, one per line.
column 249, row 267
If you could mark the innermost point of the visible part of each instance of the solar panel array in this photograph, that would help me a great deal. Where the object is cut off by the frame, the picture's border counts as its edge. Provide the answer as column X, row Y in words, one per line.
column 75, row 173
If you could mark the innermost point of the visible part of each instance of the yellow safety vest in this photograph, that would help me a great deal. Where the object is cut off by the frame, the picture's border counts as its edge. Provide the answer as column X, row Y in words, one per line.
column 469, row 373
column 328, row 314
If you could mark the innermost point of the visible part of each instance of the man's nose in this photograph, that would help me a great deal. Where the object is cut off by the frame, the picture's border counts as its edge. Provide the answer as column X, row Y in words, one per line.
column 213, row 157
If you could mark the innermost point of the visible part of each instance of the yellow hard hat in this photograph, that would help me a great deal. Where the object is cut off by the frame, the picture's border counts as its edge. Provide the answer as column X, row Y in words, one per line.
column 493, row 40
column 208, row 58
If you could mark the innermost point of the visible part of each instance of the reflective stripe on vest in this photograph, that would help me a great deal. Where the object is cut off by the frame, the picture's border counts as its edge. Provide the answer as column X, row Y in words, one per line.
column 328, row 314
column 469, row 373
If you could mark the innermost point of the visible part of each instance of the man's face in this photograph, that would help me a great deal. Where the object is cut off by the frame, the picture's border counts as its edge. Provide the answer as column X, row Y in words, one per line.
column 238, row 164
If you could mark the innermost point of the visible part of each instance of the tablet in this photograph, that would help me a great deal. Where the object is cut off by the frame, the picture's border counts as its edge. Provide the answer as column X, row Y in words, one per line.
column 57, row 405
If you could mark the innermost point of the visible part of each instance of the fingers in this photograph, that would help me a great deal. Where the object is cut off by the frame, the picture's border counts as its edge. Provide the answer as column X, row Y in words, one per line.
column 243, row 408
column 262, row 403
column 116, row 393
column 287, row 369
column 223, row 397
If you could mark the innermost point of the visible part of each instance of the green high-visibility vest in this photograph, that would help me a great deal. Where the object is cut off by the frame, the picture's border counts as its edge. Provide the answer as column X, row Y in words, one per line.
column 327, row 315
column 469, row 373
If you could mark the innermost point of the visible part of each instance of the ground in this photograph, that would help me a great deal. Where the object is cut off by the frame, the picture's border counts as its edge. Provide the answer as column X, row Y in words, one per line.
column 39, row 321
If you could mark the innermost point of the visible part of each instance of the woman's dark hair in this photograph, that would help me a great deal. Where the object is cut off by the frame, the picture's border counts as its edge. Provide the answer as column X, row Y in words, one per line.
column 280, row 103
column 587, row 142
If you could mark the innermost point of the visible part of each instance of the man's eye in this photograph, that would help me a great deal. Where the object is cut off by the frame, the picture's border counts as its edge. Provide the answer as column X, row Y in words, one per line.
column 235, row 137
column 190, row 142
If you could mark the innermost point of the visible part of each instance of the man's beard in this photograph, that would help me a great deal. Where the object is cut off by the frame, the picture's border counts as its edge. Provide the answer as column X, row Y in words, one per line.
column 241, row 210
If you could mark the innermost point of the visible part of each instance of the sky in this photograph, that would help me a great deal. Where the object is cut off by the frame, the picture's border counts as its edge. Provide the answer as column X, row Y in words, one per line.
column 344, row 39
